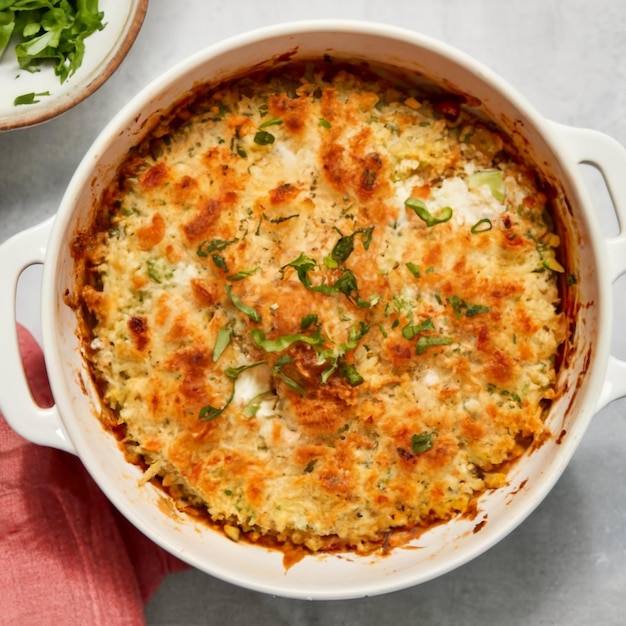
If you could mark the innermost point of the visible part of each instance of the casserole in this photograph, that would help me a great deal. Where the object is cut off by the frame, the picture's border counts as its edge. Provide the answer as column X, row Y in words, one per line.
column 589, row 378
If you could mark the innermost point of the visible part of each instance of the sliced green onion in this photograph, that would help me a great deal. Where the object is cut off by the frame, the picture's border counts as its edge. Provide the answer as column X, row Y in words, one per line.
column 419, row 207
column 494, row 179
column 481, row 226
column 424, row 342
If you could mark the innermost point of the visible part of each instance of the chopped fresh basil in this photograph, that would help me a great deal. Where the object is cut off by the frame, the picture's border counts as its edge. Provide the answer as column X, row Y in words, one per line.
column 208, row 413
column 244, row 308
column 410, row 331
column 334, row 358
column 344, row 247
column 273, row 122
column 423, row 442
column 233, row 372
column 350, row 373
column 241, row 274
column 414, row 269
column 30, row 98
column 263, row 138
column 308, row 320
column 277, row 370
column 215, row 245
column 48, row 31
column 284, row 341
column 346, row 283
column 252, row 408
column 219, row 261
column 461, row 307
column 222, row 340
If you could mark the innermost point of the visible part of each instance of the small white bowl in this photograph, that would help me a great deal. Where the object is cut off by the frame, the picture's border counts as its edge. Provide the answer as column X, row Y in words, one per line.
column 104, row 51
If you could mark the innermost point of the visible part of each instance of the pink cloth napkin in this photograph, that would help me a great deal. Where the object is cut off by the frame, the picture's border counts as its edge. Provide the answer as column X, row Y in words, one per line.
column 66, row 555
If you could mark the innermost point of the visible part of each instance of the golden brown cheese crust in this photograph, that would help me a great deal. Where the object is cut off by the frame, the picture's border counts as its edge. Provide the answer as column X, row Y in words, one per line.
column 324, row 308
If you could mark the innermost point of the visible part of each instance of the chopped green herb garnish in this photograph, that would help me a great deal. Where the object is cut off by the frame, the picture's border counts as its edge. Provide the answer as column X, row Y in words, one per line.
column 252, row 408
column 424, row 342
column 241, row 274
column 208, row 413
column 263, row 138
column 153, row 271
column 244, row 308
column 422, row 442
column 233, row 372
column 221, row 342
column 481, row 226
column 273, row 122
column 461, row 307
column 346, row 283
column 414, row 269
column 30, row 98
column 334, row 358
column 219, row 261
column 410, row 331
column 494, row 179
column 284, row 341
column 419, row 207
column 344, row 247
column 325, row 123
column 49, row 31
column 350, row 373
column 308, row 320
column 277, row 370
column 215, row 245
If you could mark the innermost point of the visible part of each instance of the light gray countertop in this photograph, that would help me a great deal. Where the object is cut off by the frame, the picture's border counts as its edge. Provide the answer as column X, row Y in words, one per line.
column 566, row 564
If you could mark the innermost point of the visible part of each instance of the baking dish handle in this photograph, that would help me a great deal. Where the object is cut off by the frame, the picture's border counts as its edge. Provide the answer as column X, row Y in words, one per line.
column 609, row 157
column 40, row 425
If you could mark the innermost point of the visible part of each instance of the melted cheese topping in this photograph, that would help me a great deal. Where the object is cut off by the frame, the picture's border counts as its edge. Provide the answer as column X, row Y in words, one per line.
column 291, row 345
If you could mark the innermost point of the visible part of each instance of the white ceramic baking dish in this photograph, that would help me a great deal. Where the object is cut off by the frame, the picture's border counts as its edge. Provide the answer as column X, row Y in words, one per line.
column 589, row 379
